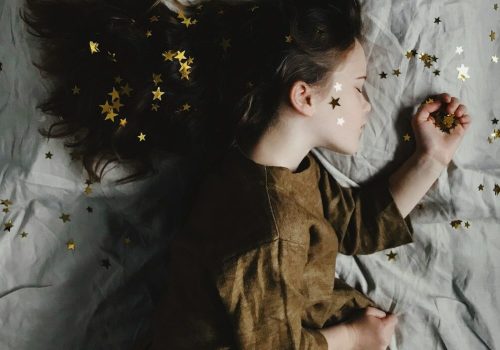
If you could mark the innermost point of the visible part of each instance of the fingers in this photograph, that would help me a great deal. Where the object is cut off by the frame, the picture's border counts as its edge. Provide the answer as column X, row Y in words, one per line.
column 375, row 312
column 453, row 105
column 426, row 109
column 461, row 110
column 445, row 97
column 391, row 319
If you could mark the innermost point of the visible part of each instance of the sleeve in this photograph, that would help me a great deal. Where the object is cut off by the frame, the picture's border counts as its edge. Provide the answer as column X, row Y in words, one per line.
column 261, row 293
column 366, row 219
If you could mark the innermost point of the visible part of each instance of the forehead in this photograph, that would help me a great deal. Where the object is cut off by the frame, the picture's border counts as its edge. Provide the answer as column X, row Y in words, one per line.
column 353, row 64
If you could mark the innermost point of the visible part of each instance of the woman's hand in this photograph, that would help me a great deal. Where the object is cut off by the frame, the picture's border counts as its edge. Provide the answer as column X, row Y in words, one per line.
column 433, row 142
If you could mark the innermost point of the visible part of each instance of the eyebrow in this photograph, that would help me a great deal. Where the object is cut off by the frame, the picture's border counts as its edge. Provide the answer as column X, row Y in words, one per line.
column 363, row 77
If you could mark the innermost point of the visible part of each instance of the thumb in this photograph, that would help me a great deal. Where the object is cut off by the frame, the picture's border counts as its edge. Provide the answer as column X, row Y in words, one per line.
column 425, row 110
column 375, row 312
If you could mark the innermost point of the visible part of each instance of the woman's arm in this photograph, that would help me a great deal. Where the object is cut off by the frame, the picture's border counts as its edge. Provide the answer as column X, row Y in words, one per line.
column 413, row 179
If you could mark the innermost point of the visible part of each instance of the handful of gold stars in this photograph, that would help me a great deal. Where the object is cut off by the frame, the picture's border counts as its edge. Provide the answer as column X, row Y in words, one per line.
column 445, row 121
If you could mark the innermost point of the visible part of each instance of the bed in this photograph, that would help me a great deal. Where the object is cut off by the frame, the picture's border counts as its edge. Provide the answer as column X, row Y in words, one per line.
column 82, row 263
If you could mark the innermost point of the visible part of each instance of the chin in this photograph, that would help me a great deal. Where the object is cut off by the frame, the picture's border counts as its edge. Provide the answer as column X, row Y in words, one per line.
column 348, row 151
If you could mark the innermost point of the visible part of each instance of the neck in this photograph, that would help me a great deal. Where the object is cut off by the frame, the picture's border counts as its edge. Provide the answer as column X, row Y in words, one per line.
column 280, row 146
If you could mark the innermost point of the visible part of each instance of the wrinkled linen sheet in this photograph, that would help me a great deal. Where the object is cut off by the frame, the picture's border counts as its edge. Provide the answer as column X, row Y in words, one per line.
column 80, row 269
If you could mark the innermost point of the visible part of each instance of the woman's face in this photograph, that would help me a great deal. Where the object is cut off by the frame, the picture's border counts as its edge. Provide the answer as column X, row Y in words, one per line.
column 341, row 116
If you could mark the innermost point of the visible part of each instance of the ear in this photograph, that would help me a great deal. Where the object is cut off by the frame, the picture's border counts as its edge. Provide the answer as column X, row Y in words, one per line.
column 301, row 98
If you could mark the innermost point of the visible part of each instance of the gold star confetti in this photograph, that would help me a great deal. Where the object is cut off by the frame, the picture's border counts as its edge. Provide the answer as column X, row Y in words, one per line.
column 76, row 90
column 106, row 108
column 335, row 102
column 70, row 245
column 445, row 121
column 496, row 189
column 383, row 75
column 190, row 60
column 494, row 121
column 48, row 155
column 105, row 263
column 495, row 7
column 437, row 20
column 186, row 107
column 154, row 19
column 87, row 190
column 123, row 122
column 111, row 116
column 492, row 35
column 154, row 107
column 396, row 72
column 187, row 22
column 494, row 58
column 126, row 90
column 149, row 33
column 157, row 79
column 180, row 56
column 8, row 226
column 94, row 47
column 459, row 50
column 288, row 39
column 391, row 256
column 117, row 105
column 480, row 187
column 65, row 217
column 114, row 95
column 226, row 43
column 429, row 101
column 456, row 224
column 436, row 72
column 90, row 210
column 467, row 224
column 168, row 55
column 340, row 121
column 5, row 202
column 118, row 80
column 157, row 94
column 254, row 8
column 184, row 67
column 406, row 138
column 142, row 137
column 112, row 57
column 338, row 87
column 23, row 234
column 463, row 72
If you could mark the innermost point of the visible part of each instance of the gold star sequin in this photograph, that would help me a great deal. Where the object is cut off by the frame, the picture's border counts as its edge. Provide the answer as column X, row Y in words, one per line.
column 496, row 189
column 106, row 108
column 168, row 55
column 76, row 90
column 23, row 234
column 149, row 33
column 112, row 57
column 436, row 72
column 154, row 107
column 157, row 94
column 118, row 80
column 157, row 79
column 335, row 102
column 180, row 55
column 123, row 122
column 126, row 90
column 494, row 59
column 437, row 20
column 71, row 245
column 391, row 256
column 288, row 39
column 492, row 35
column 114, row 95
column 495, row 7
column 117, row 105
column 383, row 75
column 48, row 155
column 456, row 224
column 8, row 226
column 494, row 121
column 142, row 137
column 480, row 187
column 65, row 217
column 467, row 224
column 94, row 47
column 187, row 21
column 87, row 190
column 154, row 19
column 184, row 67
column 463, row 72
column 396, row 72
column 407, row 138
column 111, row 116
column 186, row 107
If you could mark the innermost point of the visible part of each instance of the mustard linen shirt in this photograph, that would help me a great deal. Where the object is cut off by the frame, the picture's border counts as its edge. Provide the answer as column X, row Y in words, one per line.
column 254, row 267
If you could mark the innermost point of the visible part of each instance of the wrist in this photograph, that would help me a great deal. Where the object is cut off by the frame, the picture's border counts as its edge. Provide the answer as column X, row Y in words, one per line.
column 429, row 162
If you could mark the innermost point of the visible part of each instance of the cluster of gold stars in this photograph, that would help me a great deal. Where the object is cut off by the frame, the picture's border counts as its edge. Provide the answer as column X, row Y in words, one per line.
column 496, row 188
column 496, row 132
column 458, row 223
column 187, row 21
column 185, row 67
column 5, row 203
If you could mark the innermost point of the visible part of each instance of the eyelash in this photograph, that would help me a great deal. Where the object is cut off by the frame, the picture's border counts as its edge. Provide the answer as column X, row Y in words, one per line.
column 359, row 91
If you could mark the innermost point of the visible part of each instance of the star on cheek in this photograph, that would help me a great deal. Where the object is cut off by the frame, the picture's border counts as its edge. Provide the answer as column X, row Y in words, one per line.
column 335, row 102
column 340, row 121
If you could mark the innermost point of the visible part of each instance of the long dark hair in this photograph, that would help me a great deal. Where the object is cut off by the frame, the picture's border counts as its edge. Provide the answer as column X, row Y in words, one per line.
column 243, row 58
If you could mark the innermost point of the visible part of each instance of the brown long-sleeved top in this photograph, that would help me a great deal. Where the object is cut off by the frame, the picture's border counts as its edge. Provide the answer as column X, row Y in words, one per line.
column 255, row 266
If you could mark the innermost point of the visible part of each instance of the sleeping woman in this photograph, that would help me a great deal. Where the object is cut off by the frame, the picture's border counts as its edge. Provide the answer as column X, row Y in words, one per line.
column 253, row 266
